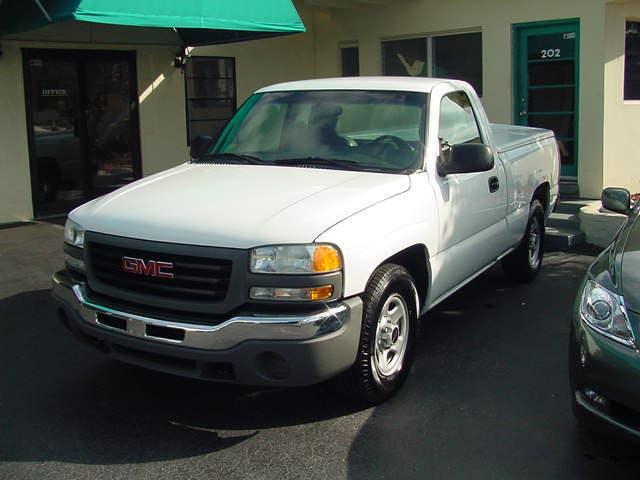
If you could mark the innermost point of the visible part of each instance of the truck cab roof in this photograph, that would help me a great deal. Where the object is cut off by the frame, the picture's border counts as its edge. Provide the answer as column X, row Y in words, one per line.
column 407, row 84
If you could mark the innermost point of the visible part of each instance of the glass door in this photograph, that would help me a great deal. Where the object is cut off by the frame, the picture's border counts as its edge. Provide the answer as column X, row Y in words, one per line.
column 82, row 126
column 547, row 67
column 56, row 139
column 110, row 112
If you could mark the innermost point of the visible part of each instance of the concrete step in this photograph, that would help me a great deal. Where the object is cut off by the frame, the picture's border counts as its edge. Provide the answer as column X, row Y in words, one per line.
column 562, row 238
column 569, row 189
column 571, row 205
column 564, row 220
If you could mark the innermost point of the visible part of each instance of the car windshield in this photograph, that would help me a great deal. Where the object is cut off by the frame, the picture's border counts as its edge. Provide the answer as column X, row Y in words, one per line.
column 378, row 131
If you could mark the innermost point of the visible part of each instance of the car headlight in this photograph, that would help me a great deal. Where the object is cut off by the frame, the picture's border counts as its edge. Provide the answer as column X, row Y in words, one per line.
column 604, row 311
column 296, row 259
column 74, row 234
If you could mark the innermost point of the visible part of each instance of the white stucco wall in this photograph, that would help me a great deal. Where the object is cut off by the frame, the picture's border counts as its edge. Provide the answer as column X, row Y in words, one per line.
column 15, row 180
column 621, row 118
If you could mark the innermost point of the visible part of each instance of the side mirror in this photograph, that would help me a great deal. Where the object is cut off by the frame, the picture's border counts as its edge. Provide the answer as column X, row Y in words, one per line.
column 466, row 158
column 617, row 200
column 200, row 146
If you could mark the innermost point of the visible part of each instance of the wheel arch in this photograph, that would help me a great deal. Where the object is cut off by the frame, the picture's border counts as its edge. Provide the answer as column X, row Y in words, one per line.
column 416, row 260
column 543, row 194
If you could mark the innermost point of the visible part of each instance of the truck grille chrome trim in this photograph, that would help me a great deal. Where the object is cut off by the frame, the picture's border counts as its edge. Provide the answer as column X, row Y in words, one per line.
column 211, row 337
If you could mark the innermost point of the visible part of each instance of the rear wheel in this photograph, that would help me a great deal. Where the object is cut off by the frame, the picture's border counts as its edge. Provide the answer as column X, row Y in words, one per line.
column 523, row 264
column 387, row 339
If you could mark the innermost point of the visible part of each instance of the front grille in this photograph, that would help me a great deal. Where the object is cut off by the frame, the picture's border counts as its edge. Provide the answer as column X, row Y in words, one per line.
column 200, row 279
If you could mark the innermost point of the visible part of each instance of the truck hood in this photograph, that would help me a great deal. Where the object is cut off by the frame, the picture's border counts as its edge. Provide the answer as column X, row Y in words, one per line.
column 236, row 206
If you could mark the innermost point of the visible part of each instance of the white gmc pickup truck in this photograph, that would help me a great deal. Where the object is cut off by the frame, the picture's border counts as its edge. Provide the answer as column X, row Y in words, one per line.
column 305, row 242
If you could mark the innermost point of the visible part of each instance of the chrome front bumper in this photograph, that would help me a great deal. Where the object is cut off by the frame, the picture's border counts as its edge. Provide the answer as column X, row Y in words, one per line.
column 223, row 336
column 269, row 350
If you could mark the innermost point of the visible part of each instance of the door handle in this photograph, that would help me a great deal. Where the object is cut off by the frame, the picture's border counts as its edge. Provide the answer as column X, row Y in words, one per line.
column 494, row 184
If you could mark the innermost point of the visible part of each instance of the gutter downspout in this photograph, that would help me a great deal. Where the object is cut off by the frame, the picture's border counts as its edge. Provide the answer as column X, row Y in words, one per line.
column 315, row 42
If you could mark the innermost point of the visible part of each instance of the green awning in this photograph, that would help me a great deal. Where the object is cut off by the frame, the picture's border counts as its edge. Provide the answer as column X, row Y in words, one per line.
column 197, row 22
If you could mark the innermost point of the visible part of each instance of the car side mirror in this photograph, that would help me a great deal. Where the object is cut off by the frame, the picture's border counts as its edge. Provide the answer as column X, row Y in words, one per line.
column 200, row 145
column 466, row 158
column 617, row 200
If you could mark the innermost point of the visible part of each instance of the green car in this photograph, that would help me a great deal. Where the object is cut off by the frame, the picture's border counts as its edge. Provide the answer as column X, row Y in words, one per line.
column 604, row 359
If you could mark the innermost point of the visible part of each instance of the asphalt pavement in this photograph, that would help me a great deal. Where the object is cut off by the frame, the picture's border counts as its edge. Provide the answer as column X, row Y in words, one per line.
column 488, row 397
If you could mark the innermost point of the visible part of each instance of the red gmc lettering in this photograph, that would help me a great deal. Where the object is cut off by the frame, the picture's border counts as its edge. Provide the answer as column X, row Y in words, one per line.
column 150, row 268
column 128, row 264
column 166, row 266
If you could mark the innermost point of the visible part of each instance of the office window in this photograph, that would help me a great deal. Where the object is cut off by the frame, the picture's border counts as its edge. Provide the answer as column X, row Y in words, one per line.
column 405, row 58
column 459, row 57
column 350, row 58
column 448, row 56
column 632, row 62
column 211, row 95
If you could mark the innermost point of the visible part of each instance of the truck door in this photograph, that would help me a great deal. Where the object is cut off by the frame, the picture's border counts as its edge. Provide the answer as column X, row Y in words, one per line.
column 471, row 206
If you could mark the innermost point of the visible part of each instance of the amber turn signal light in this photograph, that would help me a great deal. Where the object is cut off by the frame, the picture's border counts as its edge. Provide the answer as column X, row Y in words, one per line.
column 326, row 259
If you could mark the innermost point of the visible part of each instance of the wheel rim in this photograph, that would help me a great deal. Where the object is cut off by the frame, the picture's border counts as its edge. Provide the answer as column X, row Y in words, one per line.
column 535, row 242
column 392, row 333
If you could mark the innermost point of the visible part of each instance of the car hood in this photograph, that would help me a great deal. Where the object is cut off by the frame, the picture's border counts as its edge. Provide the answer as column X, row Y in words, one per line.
column 237, row 206
column 630, row 269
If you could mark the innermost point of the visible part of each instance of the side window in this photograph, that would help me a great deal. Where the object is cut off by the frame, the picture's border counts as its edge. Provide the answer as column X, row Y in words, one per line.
column 457, row 121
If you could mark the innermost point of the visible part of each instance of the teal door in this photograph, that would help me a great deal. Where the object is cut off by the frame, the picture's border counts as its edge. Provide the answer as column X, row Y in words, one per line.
column 546, row 83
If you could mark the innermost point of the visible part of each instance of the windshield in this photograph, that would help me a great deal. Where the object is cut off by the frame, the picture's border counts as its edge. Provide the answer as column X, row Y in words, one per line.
column 376, row 131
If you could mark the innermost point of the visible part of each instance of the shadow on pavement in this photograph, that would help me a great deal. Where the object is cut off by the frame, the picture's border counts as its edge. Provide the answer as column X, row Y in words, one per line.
column 489, row 394
column 60, row 401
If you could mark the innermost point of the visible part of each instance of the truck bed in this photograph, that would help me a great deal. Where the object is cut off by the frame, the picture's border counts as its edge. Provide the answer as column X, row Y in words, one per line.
column 508, row 137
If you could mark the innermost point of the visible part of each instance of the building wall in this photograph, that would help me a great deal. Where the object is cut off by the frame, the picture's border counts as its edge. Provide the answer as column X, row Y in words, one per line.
column 621, row 118
column 15, row 182
column 161, row 113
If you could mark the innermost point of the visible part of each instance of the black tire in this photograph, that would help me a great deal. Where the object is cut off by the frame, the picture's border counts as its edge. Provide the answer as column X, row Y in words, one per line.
column 364, row 381
column 519, row 265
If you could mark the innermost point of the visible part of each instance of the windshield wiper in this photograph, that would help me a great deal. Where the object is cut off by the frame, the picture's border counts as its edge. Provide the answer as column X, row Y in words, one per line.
column 320, row 162
column 239, row 157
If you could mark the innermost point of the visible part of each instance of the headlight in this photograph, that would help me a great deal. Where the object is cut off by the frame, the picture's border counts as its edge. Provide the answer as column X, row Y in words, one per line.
column 74, row 234
column 605, row 312
column 296, row 259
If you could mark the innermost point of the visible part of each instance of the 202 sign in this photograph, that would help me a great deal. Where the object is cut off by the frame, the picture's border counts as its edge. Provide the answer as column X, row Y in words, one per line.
column 550, row 53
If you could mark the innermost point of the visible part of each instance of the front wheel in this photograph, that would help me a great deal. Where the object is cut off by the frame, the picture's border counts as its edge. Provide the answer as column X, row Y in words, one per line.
column 387, row 339
column 523, row 264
